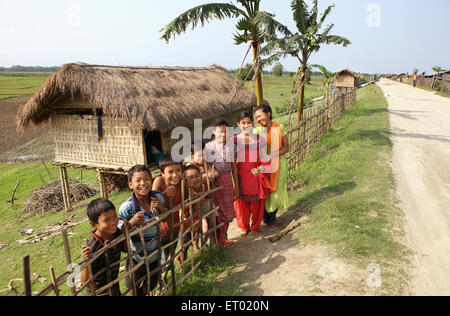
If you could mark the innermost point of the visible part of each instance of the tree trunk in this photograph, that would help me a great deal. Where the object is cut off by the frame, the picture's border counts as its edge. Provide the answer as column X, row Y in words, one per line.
column 301, row 95
column 259, row 85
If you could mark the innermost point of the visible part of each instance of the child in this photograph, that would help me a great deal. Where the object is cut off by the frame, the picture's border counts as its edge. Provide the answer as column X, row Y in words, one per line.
column 169, row 183
column 194, row 188
column 103, row 218
column 143, row 205
column 222, row 157
column 278, row 146
column 251, row 198
column 197, row 159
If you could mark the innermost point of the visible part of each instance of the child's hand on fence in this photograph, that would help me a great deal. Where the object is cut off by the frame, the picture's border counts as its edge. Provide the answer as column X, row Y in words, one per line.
column 137, row 219
column 156, row 204
column 171, row 191
column 86, row 251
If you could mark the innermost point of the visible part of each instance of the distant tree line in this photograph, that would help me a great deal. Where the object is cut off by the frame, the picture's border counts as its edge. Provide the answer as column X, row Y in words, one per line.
column 19, row 68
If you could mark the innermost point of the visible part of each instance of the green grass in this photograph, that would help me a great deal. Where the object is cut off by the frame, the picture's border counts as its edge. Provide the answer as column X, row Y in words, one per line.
column 19, row 84
column 45, row 253
column 278, row 90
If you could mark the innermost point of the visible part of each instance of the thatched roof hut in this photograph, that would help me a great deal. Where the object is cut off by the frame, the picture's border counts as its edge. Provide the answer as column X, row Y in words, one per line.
column 110, row 118
column 155, row 98
column 402, row 77
column 346, row 79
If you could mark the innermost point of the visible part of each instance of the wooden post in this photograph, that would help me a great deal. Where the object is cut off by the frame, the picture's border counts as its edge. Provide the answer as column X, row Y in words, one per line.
column 68, row 256
column 182, row 227
column 54, row 281
column 101, row 179
column 27, row 275
column 108, row 269
column 172, row 249
column 65, row 188
column 130, row 258
column 147, row 267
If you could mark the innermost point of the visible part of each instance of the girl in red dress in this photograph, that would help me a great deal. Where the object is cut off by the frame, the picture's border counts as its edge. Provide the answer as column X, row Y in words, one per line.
column 253, row 182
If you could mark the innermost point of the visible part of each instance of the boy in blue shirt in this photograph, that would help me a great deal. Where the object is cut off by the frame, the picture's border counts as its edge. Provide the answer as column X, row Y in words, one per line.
column 143, row 205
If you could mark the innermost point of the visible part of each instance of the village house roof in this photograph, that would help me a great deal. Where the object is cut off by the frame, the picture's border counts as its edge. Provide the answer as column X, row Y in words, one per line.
column 156, row 98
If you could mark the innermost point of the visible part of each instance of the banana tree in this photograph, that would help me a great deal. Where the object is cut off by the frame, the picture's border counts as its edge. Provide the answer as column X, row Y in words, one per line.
column 437, row 70
column 327, row 80
column 307, row 40
column 254, row 26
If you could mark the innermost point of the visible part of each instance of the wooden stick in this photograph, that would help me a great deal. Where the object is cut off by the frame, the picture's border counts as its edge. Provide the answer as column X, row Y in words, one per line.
column 172, row 250
column 68, row 256
column 147, row 267
column 129, row 257
column 108, row 269
column 54, row 281
column 26, row 275
column 277, row 236
column 48, row 171
column 13, row 193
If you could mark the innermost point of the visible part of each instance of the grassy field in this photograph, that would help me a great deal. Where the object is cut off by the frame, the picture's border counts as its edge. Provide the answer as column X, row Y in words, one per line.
column 278, row 90
column 17, row 84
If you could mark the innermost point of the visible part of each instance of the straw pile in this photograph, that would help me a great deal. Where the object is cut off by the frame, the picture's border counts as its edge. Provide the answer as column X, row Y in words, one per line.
column 49, row 197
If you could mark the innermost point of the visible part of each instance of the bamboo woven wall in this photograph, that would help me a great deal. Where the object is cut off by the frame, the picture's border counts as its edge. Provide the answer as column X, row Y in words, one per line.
column 76, row 141
column 345, row 80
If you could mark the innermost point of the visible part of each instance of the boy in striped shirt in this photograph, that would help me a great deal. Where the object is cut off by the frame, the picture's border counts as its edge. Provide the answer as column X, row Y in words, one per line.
column 143, row 205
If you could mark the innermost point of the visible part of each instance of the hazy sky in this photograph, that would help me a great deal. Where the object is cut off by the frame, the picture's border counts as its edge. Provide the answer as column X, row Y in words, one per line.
column 387, row 36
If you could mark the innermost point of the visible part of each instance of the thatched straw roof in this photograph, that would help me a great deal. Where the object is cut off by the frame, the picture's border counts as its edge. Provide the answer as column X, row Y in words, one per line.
column 348, row 71
column 154, row 98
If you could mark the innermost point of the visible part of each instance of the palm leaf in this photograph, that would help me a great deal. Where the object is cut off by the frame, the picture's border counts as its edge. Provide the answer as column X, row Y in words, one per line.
column 337, row 40
column 200, row 15
column 268, row 27
column 300, row 15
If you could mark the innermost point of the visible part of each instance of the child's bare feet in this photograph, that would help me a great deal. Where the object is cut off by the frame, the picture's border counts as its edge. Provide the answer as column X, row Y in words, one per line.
column 244, row 234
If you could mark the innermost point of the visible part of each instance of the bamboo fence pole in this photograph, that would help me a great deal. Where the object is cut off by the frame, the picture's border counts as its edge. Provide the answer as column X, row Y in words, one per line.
column 27, row 275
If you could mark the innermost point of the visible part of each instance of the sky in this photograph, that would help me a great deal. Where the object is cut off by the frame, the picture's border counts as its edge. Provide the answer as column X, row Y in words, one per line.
column 387, row 36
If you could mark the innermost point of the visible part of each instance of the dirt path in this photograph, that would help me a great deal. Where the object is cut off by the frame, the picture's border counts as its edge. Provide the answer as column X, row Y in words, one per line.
column 420, row 127
column 289, row 268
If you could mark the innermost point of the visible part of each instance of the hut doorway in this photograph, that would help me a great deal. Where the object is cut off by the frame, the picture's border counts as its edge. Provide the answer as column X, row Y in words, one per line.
column 153, row 146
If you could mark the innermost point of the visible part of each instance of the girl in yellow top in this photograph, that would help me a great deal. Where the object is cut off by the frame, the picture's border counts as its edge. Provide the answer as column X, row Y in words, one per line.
column 277, row 147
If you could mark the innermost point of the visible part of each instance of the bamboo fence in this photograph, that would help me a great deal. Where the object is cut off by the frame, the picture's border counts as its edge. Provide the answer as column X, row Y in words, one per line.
column 169, row 275
column 316, row 121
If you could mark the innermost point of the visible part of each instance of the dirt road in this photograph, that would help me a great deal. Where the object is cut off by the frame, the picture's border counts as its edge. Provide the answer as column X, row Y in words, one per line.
column 420, row 127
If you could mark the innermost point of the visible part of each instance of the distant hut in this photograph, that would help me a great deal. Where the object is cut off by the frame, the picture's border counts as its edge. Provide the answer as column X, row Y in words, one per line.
column 343, row 81
column 109, row 118
column 402, row 77
column 346, row 79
